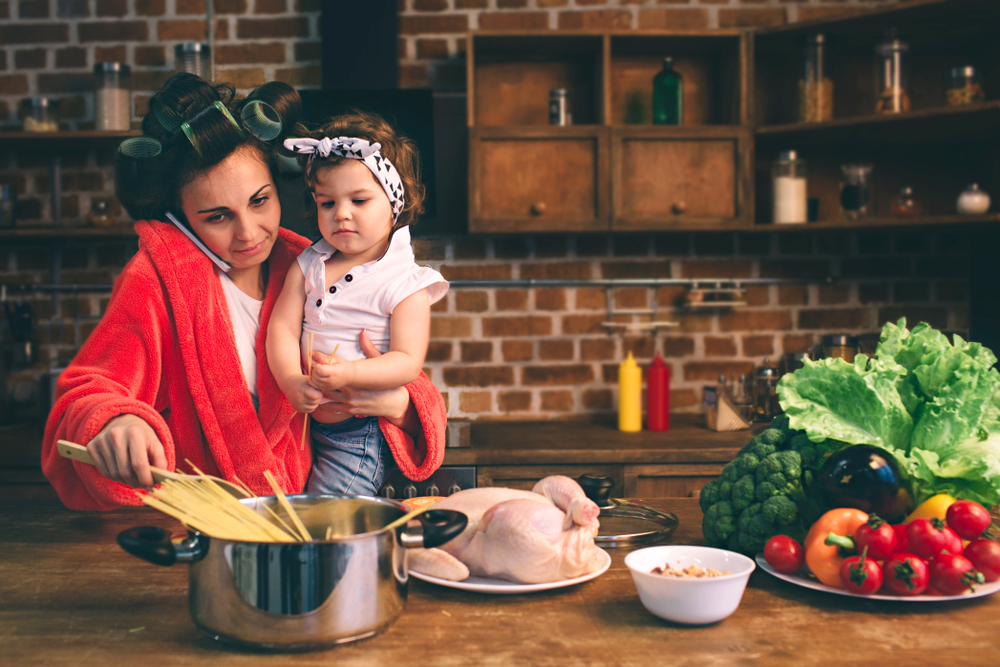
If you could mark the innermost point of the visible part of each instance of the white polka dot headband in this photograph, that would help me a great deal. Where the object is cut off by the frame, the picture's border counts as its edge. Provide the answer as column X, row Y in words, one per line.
column 357, row 149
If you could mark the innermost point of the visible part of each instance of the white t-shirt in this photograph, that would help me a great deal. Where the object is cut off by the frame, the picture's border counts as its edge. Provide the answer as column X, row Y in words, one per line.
column 244, row 312
column 363, row 299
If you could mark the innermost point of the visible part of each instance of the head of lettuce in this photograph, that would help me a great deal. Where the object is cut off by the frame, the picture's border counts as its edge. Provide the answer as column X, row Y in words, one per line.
column 933, row 404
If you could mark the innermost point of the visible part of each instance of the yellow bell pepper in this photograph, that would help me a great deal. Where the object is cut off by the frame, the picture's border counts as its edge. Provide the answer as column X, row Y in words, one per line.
column 935, row 507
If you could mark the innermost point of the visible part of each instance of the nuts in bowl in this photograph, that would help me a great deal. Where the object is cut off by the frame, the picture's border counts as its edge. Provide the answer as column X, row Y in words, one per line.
column 690, row 585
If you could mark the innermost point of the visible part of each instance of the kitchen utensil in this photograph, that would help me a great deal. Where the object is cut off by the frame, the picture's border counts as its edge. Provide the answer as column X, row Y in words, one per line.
column 75, row 452
column 294, row 596
column 690, row 600
column 799, row 580
column 503, row 587
column 625, row 522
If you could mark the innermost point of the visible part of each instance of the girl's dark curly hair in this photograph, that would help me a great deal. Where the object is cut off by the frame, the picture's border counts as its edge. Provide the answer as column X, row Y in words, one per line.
column 151, row 188
column 400, row 150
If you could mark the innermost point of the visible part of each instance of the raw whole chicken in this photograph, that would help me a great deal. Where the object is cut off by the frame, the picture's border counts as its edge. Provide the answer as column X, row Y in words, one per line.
column 533, row 537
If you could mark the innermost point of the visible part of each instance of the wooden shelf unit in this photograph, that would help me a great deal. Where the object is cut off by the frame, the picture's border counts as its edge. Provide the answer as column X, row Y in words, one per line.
column 935, row 149
column 612, row 170
column 79, row 232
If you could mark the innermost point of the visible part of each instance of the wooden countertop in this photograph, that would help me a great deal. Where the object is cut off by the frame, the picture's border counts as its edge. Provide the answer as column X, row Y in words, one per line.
column 560, row 442
column 70, row 596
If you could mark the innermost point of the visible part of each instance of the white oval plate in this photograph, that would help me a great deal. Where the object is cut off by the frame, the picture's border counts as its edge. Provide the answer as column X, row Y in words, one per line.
column 502, row 587
column 798, row 580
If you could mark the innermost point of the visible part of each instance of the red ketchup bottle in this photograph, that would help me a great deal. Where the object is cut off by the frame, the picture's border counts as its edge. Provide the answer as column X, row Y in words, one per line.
column 658, row 395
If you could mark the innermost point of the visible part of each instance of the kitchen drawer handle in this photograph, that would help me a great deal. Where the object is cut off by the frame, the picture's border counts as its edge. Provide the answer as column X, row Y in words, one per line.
column 679, row 207
column 538, row 208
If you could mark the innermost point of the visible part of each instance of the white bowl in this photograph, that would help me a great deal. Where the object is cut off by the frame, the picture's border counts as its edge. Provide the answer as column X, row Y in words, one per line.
column 690, row 600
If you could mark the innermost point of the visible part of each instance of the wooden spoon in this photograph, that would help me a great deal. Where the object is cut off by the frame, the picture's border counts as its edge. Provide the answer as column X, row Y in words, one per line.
column 75, row 452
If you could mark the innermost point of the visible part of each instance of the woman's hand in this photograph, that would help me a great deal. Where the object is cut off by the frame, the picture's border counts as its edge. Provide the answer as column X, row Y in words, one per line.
column 393, row 404
column 124, row 450
column 302, row 395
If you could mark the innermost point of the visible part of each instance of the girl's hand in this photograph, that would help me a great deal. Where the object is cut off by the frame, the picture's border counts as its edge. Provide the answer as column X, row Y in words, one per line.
column 393, row 404
column 303, row 396
column 124, row 450
column 331, row 374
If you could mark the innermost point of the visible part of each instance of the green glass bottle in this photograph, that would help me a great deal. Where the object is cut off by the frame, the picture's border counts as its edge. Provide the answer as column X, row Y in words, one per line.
column 668, row 95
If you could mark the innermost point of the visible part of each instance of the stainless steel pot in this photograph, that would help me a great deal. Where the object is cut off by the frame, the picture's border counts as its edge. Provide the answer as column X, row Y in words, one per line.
column 294, row 596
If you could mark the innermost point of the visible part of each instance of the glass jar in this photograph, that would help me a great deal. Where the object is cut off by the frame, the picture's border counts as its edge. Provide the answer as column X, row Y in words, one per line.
column 559, row 113
column 905, row 205
column 788, row 178
column 100, row 214
column 840, row 346
column 668, row 95
column 8, row 196
column 195, row 58
column 40, row 114
column 765, row 396
column 963, row 86
column 112, row 96
column 973, row 201
column 857, row 197
column 892, row 76
column 815, row 88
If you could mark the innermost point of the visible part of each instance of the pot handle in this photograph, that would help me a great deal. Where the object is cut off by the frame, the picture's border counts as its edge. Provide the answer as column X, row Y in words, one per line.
column 436, row 528
column 154, row 544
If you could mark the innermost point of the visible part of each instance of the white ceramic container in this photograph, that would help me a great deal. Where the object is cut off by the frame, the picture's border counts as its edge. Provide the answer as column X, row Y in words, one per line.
column 692, row 601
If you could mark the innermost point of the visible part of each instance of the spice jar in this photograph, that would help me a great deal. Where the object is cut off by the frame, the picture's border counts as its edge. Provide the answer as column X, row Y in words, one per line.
column 100, row 214
column 559, row 113
column 963, row 86
column 857, row 191
column 765, row 397
column 904, row 205
column 892, row 76
column 40, row 114
column 788, row 177
column 195, row 58
column 112, row 107
column 973, row 201
column 815, row 88
column 843, row 347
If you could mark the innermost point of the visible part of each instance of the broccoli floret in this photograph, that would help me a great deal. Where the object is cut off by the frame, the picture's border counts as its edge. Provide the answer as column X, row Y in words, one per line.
column 781, row 423
column 760, row 492
column 719, row 522
column 772, row 436
column 743, row 492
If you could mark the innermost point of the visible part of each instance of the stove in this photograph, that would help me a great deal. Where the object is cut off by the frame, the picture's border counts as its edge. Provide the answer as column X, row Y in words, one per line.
column 445, row 481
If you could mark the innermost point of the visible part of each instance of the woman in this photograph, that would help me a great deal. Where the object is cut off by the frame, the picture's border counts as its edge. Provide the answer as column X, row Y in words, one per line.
column 176, row 370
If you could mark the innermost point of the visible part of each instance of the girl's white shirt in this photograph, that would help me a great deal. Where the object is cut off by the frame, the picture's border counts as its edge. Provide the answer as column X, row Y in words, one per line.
column 363, row 299
column 244, row 312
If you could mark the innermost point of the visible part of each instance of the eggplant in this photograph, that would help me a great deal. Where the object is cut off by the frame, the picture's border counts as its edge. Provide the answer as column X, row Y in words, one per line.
column 866, row 478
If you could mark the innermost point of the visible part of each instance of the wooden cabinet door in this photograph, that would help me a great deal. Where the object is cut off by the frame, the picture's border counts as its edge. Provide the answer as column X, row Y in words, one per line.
column 670, row 480
column 525, row 477
column 531, row 179
column 666, row 178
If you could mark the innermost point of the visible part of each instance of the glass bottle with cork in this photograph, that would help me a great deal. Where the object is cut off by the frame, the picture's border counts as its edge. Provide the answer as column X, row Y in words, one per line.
column 668, row 95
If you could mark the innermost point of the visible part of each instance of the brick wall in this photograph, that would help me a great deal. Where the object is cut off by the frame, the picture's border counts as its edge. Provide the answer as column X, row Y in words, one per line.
column 495, row 353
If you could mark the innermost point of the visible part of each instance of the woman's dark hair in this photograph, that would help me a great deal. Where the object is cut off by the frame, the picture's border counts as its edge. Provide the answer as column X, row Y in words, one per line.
column 400, row 150
column 198, row 125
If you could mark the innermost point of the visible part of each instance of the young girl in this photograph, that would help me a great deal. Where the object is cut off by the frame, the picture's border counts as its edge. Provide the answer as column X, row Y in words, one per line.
column 360, row 276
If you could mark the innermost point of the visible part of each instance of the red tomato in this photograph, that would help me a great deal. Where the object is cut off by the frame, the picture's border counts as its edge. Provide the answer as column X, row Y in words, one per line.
column 954, row 575
column 955, row 546
column 905, row 574
column 967, row 518
column 985, row 557
column 926, row 537
column 784, row 554
column 877, row 536
column 861, row 575
column 902, row 544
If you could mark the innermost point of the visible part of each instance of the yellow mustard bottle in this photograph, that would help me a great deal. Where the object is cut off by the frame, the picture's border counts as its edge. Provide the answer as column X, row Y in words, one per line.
column 629, row 396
